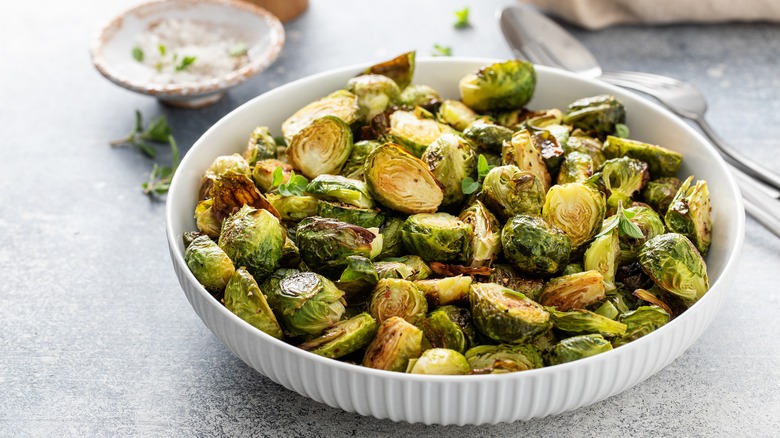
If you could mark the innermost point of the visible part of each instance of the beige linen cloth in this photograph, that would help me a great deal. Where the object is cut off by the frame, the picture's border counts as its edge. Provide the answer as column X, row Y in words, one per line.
column 597, row 14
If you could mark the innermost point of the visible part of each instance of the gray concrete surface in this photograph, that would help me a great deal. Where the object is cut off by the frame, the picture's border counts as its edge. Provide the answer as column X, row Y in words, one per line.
column 97, row 339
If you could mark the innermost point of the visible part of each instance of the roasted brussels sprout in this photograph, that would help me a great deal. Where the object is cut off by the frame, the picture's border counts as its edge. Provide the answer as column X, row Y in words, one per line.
column 231, row 191
column 395, row 297
column 607, row 309
column 660, row 161
column 394, row 270
column 209, row 264
column 419, row 270
column 508, row 191
column 631, row 277
column 322, row 146
column 533, row 246
column 572, row 268
column 450, row 327
column 542, row 118
column 456, row 114
column 341, row 189
column 576, row 167
column 578, row 347
column 341, row 104
column 437, row 236
column 344, row 337
column 507, row 276
column 579, row 142
column 263, row 173
column 244, row 298
column 291, row 255
column 523, row 153
column 224, row 164
column 573, row 291
column 415, row 133
column 576, row 208
column 597, row 114
column 659, row 193
column 253, row 238
column 293, row 208
column 675, row 265
column 326, row 243
column 392, row 242
column 649, row 223
column 402, row 182
column 261, row 146
column 505, row 315
column 400, row 69
column 307, row 303
column 603, row 256
column 420, row 95
column 689, row 214
column 362, row 217
column 374, row 92
column 623, row 177
column 396, row 342
column 451, row 160
column 354, row 166
column 581, row 321
column 440, row 361
column 499, row 359
column 205, row 220
column 488, row 136
column 485, row 245
column 641, row 322
column 446, row 290
column 549, row 145
column 358, row 279
column 500, row 86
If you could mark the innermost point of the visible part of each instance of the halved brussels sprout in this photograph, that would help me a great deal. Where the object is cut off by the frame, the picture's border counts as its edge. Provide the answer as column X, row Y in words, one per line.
column 574, row 291
column 450, row 327
column 576, row 167
column 648, row 222
column 320, row 147
column 270, row 286
column 446, row 290
column 641, row 322
column 392, row 242
column 341, row 104
column 209, row 264
column 400, row 69
column 375, row 93
column 400, row 181
column 581, row 321
column 456, row 114
column 507, row 276
column 578, row 347
column 661, row 161
column 508, row 191
column 548, row 144
column 205, row 220
column 659, row 193
column 689, row 214
column 341, row 189
column 362, row 217
column 354, row 167
column 396, row 342
column 415, row 133
column 533, row 246
column 541, row 118
column 261, row 145
column 437, row 236
column 244, row 298
column 345, row 337
column 224, row 164
column 439, row 361
column 499, row 359
column 395, row 297
column 487, row 135
column 597, row 114
column 623, row 177
column 523, row 153
column 326, row 243
column 293, row 208
column 451, row 160
column 486, row 238
column 579, row 142
column 394, row 270
column 417, row 269
column 505, row 315
column 603, row 256
column 502, row 86
column 675, row 265
column 253, row 238
column 263, row 173
column 306, row 303
column 420, row 95
column 576, row 208
column 358, row 279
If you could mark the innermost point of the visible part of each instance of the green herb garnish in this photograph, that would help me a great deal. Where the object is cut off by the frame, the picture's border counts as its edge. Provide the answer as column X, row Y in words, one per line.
column 161, row 176
column 439, row 50
column 296, row 186
column 622, row 220
column 469, row 186
column 185, row 63
column 238, row 49
column 161, row 48
column 462, row 18
column 138, row 54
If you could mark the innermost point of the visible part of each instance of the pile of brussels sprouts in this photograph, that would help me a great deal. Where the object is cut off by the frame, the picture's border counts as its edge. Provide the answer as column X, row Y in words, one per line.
column 392, row 228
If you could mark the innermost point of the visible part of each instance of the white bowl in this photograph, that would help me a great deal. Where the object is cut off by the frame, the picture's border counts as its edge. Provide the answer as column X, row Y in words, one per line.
column 112, row 49
column 462, row 399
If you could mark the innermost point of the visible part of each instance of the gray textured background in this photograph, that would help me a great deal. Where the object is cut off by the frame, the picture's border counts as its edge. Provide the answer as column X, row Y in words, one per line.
column 96, row 338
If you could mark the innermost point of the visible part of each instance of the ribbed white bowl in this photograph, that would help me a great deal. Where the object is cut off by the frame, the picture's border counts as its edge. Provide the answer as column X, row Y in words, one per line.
column 461, row 399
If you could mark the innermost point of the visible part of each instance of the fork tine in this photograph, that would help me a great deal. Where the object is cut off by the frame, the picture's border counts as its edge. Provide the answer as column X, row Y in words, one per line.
column 644, row 77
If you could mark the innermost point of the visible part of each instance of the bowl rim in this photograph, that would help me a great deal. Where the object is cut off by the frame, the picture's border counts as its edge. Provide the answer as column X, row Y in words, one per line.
column 235, row 77
column 730, row 265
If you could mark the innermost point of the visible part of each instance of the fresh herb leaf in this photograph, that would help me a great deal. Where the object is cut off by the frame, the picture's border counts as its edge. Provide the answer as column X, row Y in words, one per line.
column 158, row 130
column 280, row 141
column 469, row 186
column 147, row 149
column 483, row 167
column 296, row 186
column 185, row 63
column 462, row 18
column 238, row 49
column 439, row 50
column 161, row 176
column 139, row 122
column 622, row 131
column 278, row 176
column 622, row 221
column 630, row 229
column 138, row 54
column 162, row 49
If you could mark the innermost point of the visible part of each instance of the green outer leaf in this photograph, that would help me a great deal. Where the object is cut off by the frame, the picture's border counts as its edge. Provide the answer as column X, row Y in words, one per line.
column 244, row 298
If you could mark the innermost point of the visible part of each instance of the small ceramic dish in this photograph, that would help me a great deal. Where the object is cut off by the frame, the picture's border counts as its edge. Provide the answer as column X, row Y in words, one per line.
column 112, row 51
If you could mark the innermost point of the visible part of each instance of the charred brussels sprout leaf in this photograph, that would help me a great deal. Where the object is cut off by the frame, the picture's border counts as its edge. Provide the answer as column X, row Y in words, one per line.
column 505, row 315
column 582, row 321
column 395, row 297
column 659, row 193
column 661, row 161
column 374, row 92
column 322, row 146
column 439, row 361
column 499, row 359
column 576, row 167
column 486, row 135
column 354, row 168
column 420, row 95
column 675, row 265
column 574, row 291
column 508, row 191
column 415, row 133
column 523, row 153
column 220, row 166
column 501, row 86
column 342, row 104
column 446, row 290
column 689, row 214
column 362, row 217
column 641, row 322
column 603, row 256
column 576, row 208
column 345, row 337
column 325, row 244
column 534, row 247
column 597, row 114
column 623, row 177
column 205, row 220
column 244, row 298
column 402, row 182
column 396, row 342
column 418, row 269
column 358, row 279
column 449, row 327
column 261, row 145
column 456, row 114
column 209, row 264
column 485, row 245
column 437, row 236
column 232, row 191
column 451, row 160
column 307, row 303
column 341, row 189
column 399, row 69
column 578, row 347
column 579, row 142
column 507, row 276
column 293, row 208
column 549, row 145
column 254, row 239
